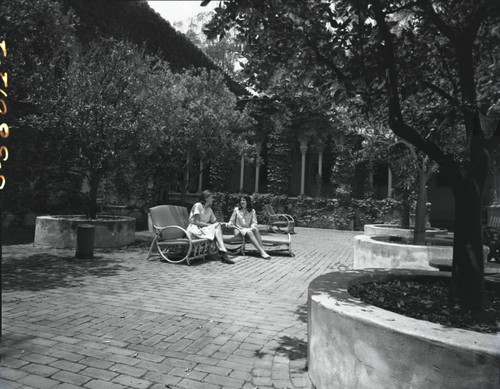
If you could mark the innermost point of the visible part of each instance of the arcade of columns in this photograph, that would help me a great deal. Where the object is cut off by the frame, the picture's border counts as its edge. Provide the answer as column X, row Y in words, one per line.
column 304, row 140
column 319, row 146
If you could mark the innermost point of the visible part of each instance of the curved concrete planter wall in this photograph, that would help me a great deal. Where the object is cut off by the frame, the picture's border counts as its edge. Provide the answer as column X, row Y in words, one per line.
column 355, row 345
column 60, row 231
column 393, row 230
column 372, row 253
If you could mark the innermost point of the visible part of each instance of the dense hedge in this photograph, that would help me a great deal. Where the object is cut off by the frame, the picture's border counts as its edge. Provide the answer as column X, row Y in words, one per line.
column 316, row 212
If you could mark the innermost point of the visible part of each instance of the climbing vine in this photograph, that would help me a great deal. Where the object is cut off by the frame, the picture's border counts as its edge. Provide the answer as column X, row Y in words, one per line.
column 279, row 154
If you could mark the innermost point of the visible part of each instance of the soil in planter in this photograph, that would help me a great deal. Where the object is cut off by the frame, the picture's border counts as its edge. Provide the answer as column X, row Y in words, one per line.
column 428, row 300
column 402, row 240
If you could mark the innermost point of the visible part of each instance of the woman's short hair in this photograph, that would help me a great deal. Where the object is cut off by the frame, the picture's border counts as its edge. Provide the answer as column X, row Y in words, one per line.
column 248, row 200
column 204, row 196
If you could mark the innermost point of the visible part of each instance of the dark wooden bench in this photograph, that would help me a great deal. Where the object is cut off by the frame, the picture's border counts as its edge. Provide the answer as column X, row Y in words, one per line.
column 491, row 237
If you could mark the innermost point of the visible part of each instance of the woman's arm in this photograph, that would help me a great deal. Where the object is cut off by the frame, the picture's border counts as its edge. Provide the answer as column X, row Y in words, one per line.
column 232, row 220
column 197, row 222
column 213, row 218
column 253, row 222
column 196, row 218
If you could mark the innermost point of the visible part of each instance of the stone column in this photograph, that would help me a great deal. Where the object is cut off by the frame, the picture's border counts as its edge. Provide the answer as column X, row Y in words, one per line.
column 320, row 149
column 258, row 148
column 320, row 146
column 303, row 150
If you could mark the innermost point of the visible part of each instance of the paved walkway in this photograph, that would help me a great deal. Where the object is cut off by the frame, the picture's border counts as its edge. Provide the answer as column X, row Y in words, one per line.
column 119, row 321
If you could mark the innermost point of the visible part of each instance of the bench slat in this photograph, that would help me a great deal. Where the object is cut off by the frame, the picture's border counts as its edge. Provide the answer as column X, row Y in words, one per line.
column 494, row 221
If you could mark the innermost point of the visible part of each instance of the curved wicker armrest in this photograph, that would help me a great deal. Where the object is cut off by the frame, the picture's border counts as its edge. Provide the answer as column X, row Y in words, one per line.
column 226, row 228
column 159, row 230
column 278, row 242
column 282, row 222
column 283, row 215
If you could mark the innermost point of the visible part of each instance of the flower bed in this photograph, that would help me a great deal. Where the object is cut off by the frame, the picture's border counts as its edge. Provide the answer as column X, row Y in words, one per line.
column 395, row 230
column 394, row 252
column 352, row 344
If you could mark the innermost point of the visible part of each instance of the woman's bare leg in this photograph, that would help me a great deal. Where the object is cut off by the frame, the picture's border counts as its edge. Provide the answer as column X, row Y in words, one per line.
column 256, row 243
column 258, row 237
column 219, row 240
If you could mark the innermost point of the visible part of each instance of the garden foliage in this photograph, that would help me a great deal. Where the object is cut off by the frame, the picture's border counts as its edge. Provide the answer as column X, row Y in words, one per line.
column 422, row 65
column 317, row 212
column 94, row 114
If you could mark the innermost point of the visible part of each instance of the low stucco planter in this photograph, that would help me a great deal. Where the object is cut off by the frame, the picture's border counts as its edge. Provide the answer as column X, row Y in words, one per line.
column 393, row 230
column 61, row 231
column 352, row 344
column 372, row 253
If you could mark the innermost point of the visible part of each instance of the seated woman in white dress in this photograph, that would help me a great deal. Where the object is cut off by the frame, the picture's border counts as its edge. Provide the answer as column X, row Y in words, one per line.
column 203, row 224
column 244, row 219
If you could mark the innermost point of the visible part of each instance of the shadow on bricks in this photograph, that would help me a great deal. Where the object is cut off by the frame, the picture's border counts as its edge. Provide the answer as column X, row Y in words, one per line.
column 301, row 313
column 49, row 271
column 292, row 347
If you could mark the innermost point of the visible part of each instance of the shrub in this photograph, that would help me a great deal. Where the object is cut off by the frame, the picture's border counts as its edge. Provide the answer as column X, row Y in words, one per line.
column 316, row 212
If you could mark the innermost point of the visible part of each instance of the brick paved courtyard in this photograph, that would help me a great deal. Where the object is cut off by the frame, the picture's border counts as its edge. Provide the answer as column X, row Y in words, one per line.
column 119, row 321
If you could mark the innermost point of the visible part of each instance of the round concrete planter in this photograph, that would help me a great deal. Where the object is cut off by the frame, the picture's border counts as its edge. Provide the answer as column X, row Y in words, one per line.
column 352, row 344
column 61, row 231
column 376, row 252
column 393, row 230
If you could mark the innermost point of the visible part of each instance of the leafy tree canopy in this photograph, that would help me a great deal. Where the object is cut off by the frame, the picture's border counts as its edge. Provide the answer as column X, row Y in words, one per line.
column 426, row 64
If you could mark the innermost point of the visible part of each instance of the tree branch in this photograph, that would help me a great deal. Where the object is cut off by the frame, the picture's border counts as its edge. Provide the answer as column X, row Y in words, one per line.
column 479, row 14
column 447, row 70
column 396, row 120
column 338, row 72
column 327, row 62
column 446, row 30
column 398, row 9
column 454, row 101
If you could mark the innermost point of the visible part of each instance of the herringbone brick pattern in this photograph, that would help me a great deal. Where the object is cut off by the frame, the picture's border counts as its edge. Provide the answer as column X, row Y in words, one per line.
column 119, row 321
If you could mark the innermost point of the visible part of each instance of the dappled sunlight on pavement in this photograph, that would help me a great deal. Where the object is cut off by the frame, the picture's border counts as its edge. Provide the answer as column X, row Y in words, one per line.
column 120, row 321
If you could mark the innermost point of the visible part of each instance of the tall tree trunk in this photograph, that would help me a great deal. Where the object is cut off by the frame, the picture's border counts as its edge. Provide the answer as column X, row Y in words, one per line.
column 421, row 209
column 467, row 285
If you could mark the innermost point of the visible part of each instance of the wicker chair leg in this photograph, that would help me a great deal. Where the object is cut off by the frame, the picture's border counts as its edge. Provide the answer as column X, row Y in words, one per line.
column 155, row 240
